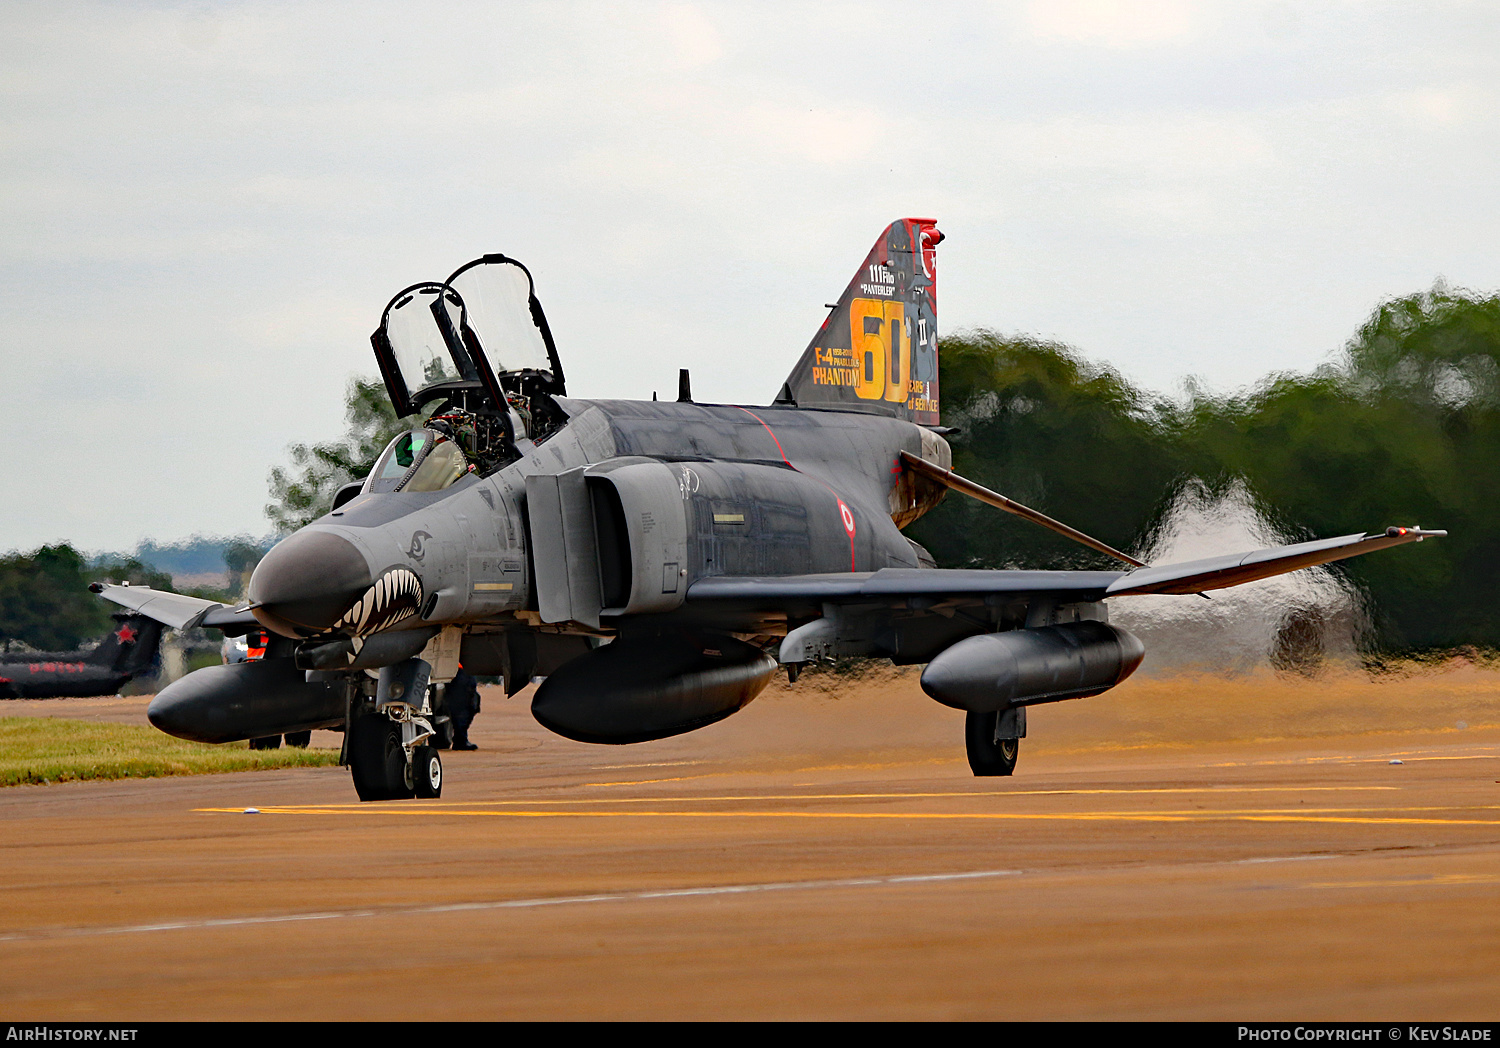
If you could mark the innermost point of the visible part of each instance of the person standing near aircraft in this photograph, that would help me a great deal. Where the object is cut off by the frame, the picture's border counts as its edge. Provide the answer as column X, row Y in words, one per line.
column 462, row 700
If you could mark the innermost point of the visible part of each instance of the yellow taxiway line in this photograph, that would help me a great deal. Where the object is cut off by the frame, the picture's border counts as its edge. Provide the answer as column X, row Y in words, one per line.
column 762, row 798
column 1204, row 790
column 1240, row 815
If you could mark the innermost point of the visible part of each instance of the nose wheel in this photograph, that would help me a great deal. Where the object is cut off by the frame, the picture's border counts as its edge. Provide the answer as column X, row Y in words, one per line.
column 427, row 772
column 377, row 759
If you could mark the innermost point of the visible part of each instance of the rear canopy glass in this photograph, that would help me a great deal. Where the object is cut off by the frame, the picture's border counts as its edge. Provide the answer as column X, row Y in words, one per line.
column 496, row 305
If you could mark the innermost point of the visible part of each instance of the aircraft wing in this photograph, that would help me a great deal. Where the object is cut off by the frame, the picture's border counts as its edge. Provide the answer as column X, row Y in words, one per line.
column 774, row 592
column 178, row 610
column 940, row 585
column 1195, row 576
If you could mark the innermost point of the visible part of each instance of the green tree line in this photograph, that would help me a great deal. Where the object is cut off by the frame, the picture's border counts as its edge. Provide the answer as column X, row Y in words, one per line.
column 1402, row 428
column 45, row 601
column 303, row 494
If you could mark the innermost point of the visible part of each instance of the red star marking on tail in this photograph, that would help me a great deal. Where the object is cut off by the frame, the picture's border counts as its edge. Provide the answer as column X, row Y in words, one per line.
column 126, row 633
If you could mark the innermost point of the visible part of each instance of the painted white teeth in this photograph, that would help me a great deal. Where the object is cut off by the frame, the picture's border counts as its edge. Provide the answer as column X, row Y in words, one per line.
column 396, row 595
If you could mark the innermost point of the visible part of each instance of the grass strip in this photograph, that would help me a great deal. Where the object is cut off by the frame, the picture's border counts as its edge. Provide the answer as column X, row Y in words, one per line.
column 38, row 750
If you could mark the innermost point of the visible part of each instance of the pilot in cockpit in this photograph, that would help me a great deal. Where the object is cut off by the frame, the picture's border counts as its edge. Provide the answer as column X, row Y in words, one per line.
column 427, row 459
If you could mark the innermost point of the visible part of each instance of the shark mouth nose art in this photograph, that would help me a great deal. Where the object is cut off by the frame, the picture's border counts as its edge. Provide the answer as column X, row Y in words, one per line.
column 395, row 596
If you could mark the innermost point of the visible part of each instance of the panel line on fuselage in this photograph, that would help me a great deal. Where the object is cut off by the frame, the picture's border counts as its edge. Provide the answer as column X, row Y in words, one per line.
column 845, row 514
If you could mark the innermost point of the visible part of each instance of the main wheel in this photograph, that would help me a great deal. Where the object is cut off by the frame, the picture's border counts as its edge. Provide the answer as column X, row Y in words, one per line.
column 266, row 742
column 427, row 767
column 987, row 754
column 299, row 739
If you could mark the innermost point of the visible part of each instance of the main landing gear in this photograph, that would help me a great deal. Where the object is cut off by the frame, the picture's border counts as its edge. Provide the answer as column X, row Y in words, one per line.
column 994, row 740
column 389, row 744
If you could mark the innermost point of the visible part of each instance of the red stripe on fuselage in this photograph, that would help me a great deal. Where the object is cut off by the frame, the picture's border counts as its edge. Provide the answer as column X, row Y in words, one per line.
column 844, row 522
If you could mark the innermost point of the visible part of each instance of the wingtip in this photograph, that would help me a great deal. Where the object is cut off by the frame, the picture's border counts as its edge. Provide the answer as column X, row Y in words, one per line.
column 1414, row 531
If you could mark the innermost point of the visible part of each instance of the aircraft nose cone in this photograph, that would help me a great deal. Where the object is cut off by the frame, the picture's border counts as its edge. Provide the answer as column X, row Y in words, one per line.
column 307, row 582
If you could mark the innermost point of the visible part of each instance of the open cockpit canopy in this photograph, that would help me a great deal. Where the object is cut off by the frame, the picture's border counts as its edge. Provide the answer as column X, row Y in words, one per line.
column 483, row 329
column 500, row 315
column 413, row 353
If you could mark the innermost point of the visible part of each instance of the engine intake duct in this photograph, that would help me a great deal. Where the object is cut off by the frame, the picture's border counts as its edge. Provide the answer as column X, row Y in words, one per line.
column 1026, row 667
column 649, row 687
column 246, row 700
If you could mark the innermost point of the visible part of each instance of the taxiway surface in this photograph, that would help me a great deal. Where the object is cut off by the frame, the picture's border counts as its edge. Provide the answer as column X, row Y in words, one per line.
column 1201, row 850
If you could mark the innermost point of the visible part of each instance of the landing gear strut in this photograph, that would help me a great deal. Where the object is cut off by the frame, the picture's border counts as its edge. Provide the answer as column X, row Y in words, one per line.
column 991, row 752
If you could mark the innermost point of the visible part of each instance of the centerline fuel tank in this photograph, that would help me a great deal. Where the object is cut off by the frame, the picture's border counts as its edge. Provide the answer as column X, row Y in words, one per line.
column 652, row 686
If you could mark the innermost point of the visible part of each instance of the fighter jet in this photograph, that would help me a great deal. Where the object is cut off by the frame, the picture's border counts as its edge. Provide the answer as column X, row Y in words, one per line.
column 130, row 650
column 656, row 562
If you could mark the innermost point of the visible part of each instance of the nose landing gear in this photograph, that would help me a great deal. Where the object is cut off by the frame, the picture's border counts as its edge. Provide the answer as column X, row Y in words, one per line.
column 385, row 767
column 389, row 744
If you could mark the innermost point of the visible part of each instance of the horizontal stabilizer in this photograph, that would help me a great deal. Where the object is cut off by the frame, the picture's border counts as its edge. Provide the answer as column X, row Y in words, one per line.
column 964, row 486
column 1194, row 576
column 177, row 610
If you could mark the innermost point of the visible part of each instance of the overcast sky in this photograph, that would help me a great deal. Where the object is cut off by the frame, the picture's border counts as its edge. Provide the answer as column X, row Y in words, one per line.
column 206, row 206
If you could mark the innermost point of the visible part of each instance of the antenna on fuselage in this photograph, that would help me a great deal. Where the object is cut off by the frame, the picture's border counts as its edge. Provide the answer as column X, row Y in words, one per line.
column 684, row 387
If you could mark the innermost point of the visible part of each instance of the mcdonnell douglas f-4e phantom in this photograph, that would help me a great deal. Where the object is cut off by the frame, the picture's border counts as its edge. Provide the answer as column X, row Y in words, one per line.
column 655, row 561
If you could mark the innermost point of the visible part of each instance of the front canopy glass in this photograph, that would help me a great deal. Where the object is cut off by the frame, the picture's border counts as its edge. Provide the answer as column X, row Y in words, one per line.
column 482, row 326
column 412, row 347
column 418, row 460
column 475, row 354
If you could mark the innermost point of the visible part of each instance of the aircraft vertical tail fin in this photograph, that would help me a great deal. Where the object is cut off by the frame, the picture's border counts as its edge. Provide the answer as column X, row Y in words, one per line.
column 877, row 350
column 132, row 648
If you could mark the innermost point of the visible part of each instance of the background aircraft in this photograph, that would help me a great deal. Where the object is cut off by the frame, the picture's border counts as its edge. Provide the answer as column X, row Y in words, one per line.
column 655, row 561
column 131, row 650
